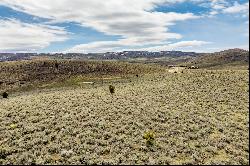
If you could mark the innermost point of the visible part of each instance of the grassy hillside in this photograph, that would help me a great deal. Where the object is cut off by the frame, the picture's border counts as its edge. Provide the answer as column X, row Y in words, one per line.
column 228, row 59
column 196, row 117
column 23, row 74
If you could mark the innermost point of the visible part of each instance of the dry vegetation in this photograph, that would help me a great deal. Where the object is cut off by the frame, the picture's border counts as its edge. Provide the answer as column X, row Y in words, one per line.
column 236, row 59
column 32, row 74
column 194, row 117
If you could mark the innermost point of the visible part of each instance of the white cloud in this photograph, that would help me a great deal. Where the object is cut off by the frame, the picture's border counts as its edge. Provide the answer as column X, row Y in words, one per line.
column 182, row 45
column 17, row 36
column 133, row 20
column 237, row 8
column 227, row 7
column 188, row 44
column 212, row 13
column 106, row 46
column 216, row 7
column 218, row 4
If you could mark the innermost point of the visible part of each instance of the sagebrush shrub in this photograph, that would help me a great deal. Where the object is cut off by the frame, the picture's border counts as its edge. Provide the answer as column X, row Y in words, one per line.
column 149, row 137
column 111, row 89
column 5, row 95
column 56, row 65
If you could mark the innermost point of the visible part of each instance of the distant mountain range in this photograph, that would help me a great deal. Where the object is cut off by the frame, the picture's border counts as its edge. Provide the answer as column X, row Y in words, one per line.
column 203, row 60
column 125, row 55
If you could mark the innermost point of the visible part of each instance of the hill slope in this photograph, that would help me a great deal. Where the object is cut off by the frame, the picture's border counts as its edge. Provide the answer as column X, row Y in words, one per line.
column 198, row 117
column 23, row 73
column 232, row 58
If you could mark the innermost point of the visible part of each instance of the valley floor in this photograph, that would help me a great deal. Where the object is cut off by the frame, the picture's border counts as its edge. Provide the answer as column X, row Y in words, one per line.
column 197, row 117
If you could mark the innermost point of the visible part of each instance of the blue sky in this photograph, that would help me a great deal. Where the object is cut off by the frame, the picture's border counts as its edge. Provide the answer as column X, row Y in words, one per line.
column 117, row 25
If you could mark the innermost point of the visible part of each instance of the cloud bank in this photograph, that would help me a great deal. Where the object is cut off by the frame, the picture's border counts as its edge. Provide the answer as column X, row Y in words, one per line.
column 15, row 36
column 135, row 22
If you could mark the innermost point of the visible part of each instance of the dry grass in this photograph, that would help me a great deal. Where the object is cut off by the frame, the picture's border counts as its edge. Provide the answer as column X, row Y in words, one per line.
column 37, row 74
column 197, row 117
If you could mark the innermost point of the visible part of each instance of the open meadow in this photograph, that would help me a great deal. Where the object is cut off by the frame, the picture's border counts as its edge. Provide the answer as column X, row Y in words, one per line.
column 193, row 117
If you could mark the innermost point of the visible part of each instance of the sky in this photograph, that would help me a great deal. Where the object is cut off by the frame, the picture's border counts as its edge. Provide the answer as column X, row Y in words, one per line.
column 93, row 26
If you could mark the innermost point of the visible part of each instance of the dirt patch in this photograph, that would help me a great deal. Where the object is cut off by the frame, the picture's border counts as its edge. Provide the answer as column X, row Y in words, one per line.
column 176, row 69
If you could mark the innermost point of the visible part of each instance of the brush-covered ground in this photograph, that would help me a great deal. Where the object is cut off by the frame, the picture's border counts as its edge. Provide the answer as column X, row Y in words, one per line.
column 196, row 117
column 46, row 74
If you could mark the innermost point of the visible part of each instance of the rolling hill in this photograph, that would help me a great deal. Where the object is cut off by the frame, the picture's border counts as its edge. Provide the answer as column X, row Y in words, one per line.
column 20, row 74
column 227, row 59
